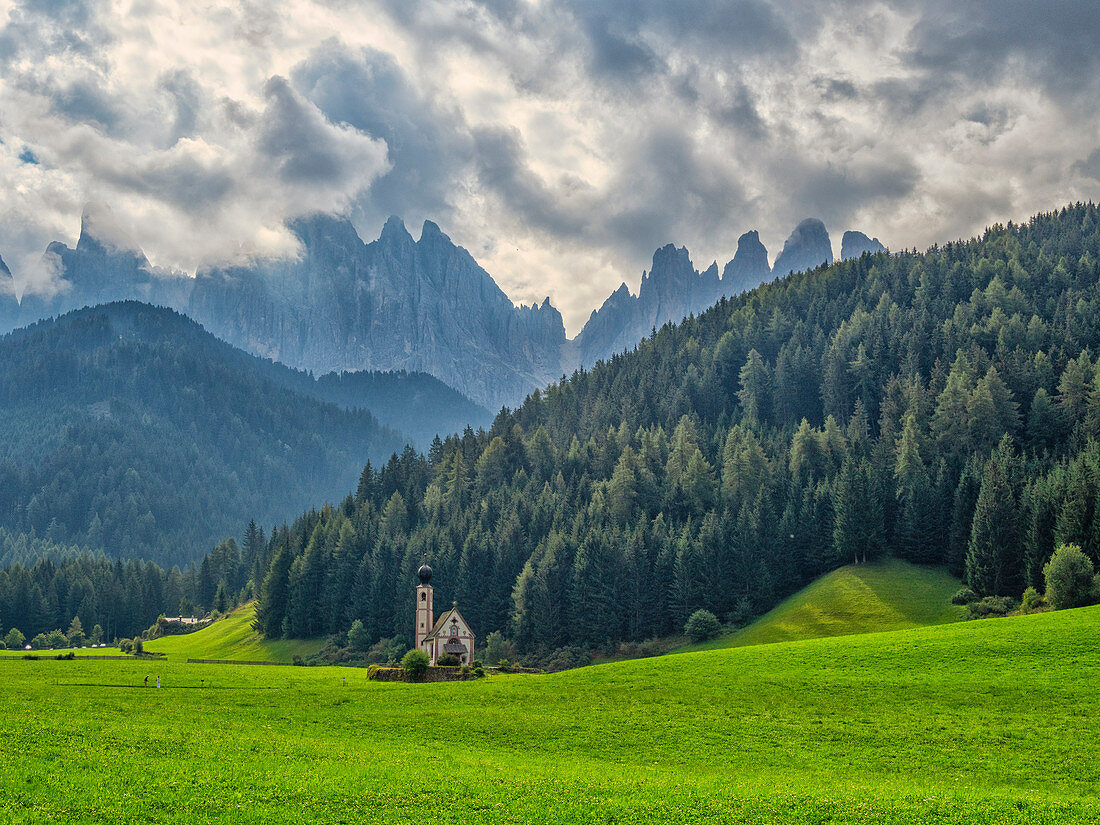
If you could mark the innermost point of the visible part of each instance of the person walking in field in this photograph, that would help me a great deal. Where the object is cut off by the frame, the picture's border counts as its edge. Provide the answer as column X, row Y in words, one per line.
column 146, row 680
column 158, row 681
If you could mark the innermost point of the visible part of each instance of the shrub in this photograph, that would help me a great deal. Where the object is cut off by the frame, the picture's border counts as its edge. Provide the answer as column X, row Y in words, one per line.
column 505, row 666
column 447, row 660
column 415, row 663
column 477, row 663
column 1068, row 576
column 296, row 659
column 126, row 646
column 40, row 642
column 702, row 625
column 991, row 606
column 567, row 658
column 14, row 640
column 386, row 651
column 1032, row 601
column 479, row 672
column 964, row 596
column 139, row 646
column 358, row 638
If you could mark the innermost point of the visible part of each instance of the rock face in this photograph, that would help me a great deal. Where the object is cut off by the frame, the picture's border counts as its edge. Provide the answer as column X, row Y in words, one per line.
column 393, row 304
column 749, row 267
column 670, row 291
column 9, row 306
column 94, row 273
column 854, row 244
column 806, row 248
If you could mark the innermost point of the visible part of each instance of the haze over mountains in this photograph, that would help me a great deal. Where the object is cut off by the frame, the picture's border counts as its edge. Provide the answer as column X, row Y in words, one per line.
column 421, row 305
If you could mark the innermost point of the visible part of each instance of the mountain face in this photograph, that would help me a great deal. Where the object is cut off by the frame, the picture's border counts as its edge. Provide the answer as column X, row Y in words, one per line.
column 393, row 304
column 417, row 306
column 671, row 291
column 807, row 247
column 749, row 267
column 9, row 305
column 97, row 273
column 855, row 244
column 130, row 429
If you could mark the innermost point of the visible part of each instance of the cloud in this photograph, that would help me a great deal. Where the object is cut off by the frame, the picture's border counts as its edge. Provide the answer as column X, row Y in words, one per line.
column 560, row 141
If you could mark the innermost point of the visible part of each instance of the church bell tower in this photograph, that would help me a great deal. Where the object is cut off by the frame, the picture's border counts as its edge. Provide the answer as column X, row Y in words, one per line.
column 425, row 618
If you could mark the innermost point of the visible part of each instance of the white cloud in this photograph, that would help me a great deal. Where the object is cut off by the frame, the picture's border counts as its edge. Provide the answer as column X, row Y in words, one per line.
column 561, row 142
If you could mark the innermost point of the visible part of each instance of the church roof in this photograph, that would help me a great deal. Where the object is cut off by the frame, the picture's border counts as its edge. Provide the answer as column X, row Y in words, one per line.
column 443, row 620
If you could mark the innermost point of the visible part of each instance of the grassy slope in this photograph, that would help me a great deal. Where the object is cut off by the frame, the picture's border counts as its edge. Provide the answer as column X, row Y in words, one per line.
column 888, row 595
column 976, row 722
column 232, row 638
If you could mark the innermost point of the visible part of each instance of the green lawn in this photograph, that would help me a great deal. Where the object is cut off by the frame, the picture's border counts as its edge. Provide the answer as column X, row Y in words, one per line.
column 233, row 638
column 869, row 598
column 975, row 722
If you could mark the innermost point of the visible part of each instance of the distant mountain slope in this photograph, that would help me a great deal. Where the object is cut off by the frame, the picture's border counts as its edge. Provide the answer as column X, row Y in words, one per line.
column 869, row 598
column 9, row 306
column 130, row 428
column 400, row 305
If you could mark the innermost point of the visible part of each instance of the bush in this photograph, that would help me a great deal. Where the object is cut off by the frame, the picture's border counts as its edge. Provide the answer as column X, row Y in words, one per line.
column 1032, row 601
column 358, row 638
column 991, row 607
column 40, row 642
column 505, row 666
column 479, row 672
column 567, row 658
column 701, row 626
column 1068, row 576
column 126, row 646
column 415, row 663
column 447, row 660
column 297, row 660
column 386, row 651
column 139, row 646
column 14, row 640
column 964, row 597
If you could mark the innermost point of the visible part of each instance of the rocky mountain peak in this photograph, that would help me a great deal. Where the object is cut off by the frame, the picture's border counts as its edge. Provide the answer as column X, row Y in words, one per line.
column 749, row 267
column 807, row 247
column 394, row 232
column 854, row 244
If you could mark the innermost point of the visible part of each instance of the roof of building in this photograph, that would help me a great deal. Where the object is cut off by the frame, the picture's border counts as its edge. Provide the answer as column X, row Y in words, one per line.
column 443, row 620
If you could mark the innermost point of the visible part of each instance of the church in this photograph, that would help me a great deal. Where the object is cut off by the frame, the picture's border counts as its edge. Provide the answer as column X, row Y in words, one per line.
column 448, row 634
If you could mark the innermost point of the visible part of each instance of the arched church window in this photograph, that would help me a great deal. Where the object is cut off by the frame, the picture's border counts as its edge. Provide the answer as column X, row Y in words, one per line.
column 423, row 597
column 454, row 630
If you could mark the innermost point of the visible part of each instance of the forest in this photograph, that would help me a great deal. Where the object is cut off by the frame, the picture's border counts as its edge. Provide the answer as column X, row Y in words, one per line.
column 943, row 407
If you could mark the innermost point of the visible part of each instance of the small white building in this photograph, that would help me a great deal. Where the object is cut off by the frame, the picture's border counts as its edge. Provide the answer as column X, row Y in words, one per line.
column 448, row 634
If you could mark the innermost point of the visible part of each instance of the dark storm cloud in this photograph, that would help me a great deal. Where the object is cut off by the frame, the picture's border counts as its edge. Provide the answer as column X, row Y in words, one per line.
column 974, row 41
column 428, row 145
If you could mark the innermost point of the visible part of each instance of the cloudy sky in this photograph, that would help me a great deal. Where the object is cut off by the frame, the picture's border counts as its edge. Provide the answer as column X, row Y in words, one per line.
column 560, row 142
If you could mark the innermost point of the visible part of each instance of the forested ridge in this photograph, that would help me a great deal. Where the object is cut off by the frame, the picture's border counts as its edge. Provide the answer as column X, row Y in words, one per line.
column 131, row 430
column 940, row 406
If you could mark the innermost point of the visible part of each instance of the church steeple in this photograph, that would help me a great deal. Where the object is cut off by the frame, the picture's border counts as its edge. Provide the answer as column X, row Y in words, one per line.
column 425, row 617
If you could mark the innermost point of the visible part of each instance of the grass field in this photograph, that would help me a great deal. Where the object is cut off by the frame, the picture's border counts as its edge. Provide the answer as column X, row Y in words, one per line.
column 232, row 638
column 868, row 598
column 975, row 722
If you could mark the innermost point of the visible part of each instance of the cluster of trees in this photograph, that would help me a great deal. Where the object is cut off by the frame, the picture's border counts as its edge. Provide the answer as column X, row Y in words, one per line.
column 943, row 407
column 56, row 639
column 129, row 429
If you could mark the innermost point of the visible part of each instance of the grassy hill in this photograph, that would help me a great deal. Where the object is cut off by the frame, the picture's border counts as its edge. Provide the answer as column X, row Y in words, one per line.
column 888, row 595
column 975, row 722
column 233, row 639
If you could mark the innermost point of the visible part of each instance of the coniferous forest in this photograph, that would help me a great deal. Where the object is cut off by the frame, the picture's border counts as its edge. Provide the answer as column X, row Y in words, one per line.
column 943, row 407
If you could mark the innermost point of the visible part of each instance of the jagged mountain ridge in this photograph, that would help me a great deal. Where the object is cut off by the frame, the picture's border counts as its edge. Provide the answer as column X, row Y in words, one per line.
column 415, row 305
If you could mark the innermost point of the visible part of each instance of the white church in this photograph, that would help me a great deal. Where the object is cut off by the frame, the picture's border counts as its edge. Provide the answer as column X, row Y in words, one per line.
column 448, row 634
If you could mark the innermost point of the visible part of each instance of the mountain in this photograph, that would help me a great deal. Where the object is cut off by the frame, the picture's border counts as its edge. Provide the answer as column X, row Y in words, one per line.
column 393, row 304
column 855, row 244
column 130, row 429
column 938, row 407
column 749, row 267
column 9, row 304
column 808, row 247
column 414, row 306
column 96, row 272
column 671, row 291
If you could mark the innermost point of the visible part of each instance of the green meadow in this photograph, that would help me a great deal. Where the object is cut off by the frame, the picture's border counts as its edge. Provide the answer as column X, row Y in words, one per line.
column 975, row 722
column 890, row 594
column 232, row 639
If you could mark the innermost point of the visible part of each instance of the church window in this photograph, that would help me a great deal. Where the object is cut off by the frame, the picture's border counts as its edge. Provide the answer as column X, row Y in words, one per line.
column 454, row 630
column 423, row 597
